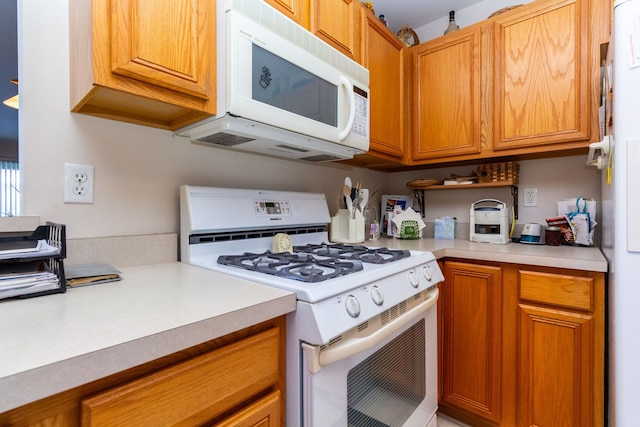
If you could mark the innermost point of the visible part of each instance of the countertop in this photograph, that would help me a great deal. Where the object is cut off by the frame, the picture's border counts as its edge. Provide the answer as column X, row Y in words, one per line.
column 572, row 257
column 56, row 342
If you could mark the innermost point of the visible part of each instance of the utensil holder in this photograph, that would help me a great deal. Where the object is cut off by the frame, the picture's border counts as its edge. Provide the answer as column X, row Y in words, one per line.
column 347, row 229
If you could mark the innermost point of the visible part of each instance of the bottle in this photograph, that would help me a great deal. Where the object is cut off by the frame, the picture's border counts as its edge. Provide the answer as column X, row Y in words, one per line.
column 371, row 223
column 452, row 23
column 384, row 20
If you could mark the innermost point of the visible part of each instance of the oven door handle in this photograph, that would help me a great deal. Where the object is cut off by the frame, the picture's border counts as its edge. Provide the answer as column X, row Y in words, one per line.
column 317, row 359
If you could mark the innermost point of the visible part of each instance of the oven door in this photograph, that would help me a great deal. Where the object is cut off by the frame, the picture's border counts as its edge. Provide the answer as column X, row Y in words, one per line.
column 385, row 375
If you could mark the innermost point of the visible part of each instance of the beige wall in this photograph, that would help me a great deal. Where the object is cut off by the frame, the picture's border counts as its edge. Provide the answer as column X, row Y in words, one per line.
column 138, row 170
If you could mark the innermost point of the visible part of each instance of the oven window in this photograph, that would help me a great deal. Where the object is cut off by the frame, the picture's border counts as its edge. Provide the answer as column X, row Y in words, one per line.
column 386, row 388
column 283, row 85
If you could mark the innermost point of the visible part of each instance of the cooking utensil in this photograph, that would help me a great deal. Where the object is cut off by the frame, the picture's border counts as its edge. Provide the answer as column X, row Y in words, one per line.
column 346, row 190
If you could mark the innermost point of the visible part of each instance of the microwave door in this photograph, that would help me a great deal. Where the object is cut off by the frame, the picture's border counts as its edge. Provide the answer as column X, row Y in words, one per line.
column 270, row 82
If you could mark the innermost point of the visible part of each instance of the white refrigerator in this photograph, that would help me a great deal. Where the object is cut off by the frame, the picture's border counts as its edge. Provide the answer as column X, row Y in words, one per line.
column 621, row 216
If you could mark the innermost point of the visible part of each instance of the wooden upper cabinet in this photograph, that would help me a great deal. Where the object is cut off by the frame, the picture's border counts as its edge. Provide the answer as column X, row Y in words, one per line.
column 542, row 75
column 149, row 62
column 334, row 21
column 337, row 23
column 382, row 55
column 157, row 41
column 296, row 10
column 447, row 103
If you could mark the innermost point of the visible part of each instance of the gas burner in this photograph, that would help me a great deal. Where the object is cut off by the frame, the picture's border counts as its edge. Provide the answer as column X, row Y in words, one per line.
column 266, row 262
column 354, row 252
column 303, row 267
column 314, row 270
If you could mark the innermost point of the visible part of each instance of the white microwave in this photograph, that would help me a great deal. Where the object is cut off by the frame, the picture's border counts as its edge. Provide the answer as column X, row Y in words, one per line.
column 282, row 91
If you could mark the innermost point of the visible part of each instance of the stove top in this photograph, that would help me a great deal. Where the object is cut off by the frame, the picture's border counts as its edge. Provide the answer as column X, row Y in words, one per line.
column 231, row 231
column 312, row 263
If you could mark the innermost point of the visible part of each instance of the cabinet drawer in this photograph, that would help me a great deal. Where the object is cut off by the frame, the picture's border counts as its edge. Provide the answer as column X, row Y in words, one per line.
column 557, row 289
column 194, row 391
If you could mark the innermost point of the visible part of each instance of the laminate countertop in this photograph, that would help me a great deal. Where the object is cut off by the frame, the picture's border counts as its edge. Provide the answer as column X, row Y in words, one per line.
column 56, row 342
column 572, row 257
column 53, row 343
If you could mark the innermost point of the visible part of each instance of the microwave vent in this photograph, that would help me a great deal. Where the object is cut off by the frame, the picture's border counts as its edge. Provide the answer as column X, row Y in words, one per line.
column 225, row 139
column 292, row 148
column 321, row 158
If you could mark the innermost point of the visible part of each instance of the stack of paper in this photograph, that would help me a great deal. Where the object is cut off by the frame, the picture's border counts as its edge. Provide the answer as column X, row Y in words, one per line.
column 90, row 274
column 25, row 278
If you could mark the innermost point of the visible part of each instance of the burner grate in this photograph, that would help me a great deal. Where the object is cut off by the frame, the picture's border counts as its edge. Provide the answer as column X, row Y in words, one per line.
column 303, row 267
column 354, row 252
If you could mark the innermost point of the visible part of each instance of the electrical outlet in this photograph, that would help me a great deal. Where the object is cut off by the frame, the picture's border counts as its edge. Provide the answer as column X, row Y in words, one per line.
column 78, row 183
column 530, row 197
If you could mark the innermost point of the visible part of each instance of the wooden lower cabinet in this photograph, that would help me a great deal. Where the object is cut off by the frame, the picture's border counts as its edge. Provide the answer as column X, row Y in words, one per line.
column 472, row 342
column 521, row 345
column 236, row 380
column 561, row 349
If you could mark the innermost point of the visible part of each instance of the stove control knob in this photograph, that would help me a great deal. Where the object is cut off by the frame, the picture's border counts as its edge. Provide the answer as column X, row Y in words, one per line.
column 426, row 271
column 376, row 295
column 353, row 306
column 413, row 279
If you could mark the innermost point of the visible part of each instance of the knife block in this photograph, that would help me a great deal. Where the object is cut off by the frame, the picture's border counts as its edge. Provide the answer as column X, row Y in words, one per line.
column 345, row 228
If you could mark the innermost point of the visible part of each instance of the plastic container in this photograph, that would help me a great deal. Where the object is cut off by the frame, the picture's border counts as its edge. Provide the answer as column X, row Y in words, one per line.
column 371, row 223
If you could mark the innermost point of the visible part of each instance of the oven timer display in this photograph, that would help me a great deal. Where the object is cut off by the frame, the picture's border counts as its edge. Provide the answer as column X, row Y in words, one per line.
column 272, row 208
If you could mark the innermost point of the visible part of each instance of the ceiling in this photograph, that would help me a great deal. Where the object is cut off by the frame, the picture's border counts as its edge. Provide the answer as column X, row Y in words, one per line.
column 416, row 13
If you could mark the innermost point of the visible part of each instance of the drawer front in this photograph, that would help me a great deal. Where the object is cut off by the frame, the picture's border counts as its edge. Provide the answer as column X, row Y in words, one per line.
column 557, row 289
column 193, row 391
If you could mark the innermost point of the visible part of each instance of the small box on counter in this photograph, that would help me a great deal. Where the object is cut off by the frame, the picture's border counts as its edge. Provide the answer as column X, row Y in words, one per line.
column 445, row 228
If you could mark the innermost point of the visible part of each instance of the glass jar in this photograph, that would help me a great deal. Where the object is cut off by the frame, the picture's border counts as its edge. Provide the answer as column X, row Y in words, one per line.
column 553, row 236
column 371, row 223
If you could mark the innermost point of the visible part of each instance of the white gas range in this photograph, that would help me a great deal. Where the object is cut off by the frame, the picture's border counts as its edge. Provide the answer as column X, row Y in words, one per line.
column 353, row 303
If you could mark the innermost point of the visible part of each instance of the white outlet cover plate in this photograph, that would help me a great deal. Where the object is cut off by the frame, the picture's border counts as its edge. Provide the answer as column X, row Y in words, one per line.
column 530, row 197
column 73, row 184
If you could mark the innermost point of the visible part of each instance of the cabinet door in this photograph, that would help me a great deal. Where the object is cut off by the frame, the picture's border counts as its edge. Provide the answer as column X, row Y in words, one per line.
column 542, row 75
column 337, row 22
column 382, row 55
column 296, row 10
column 263, row 413
column 471, row 359
column 143, row 61
column 161, row 42
column 447, row 105
column 555, row 367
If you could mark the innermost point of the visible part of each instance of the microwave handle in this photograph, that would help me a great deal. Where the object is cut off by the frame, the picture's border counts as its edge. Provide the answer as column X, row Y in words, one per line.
column 316, row 359
column 352, row 108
